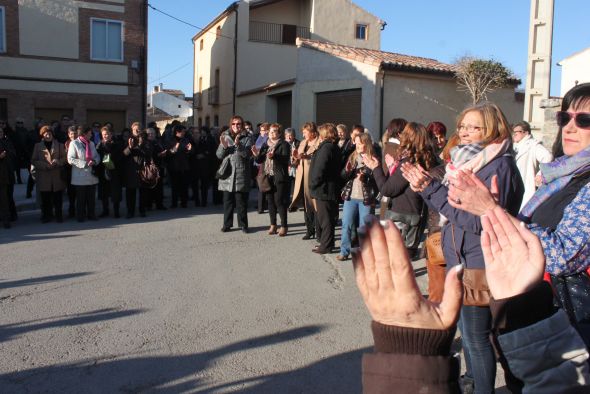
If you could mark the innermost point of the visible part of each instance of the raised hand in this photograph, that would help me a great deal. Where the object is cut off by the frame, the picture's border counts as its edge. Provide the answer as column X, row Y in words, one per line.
column 469, row 193
column 371, row 162
column 416, row 175
column 385, row 278
column 513, row 255
column 389, row 160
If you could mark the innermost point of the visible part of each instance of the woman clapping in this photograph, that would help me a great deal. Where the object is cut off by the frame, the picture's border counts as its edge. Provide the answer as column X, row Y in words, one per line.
column 274, row 156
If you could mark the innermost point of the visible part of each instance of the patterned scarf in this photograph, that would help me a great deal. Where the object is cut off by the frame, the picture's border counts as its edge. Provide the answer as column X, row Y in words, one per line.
column 86, row 144
column 268, row 163
column 473, row 157
column 556, row 175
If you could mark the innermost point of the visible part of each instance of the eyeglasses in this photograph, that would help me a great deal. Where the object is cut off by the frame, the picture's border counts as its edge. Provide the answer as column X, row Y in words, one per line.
column 582, row 119
column 470, row 128
column 236, row 124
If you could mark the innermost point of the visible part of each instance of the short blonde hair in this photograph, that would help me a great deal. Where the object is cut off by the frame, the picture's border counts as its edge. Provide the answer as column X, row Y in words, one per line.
column 328, row 132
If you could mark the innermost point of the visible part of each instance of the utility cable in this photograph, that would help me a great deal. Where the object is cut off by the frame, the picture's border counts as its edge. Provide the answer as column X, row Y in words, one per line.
column 187, row 23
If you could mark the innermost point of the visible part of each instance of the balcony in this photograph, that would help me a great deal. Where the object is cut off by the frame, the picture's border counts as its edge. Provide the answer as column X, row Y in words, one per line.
column 198, row 100
column 213, row 95
column 275, row 33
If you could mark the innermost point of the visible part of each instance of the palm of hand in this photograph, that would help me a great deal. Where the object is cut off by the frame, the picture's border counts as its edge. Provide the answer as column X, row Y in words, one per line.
column 513, row 255
column 385, row 278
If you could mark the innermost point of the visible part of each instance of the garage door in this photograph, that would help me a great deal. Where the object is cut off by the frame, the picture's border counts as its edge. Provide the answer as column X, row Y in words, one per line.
column 339, row 106
column 117, row 118
column 50, row 114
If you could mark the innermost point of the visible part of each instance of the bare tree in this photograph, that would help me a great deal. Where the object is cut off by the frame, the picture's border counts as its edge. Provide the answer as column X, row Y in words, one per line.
column 478, row 77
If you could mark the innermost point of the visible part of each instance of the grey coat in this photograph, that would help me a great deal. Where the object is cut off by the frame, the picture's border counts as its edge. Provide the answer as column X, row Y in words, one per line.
column 241, row 165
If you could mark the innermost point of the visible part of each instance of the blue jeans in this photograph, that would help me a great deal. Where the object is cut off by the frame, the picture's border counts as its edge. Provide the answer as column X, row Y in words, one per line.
column 475, row 324
column 350, row 210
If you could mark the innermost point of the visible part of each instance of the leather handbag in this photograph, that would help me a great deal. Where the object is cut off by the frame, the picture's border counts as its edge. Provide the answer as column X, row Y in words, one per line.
column 224, row 170
column 435, row 266
column 572, row 293
column 263, row 182
column 149, row 174
column 476, row 291
column 434, row 252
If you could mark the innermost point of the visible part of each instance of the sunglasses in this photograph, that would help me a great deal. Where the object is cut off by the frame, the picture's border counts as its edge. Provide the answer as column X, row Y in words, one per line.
column 236, row 124
column 582, row 119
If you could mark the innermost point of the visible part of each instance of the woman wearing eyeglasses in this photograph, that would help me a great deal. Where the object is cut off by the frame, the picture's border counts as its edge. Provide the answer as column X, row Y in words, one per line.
column 558, row 211
column 237, row 144
column 482, row 145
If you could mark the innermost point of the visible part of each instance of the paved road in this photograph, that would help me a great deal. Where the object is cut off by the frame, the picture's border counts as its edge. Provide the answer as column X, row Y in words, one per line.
column 170, row 304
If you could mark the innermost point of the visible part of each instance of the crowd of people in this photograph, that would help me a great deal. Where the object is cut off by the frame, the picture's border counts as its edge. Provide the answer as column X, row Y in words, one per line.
column 466, row 190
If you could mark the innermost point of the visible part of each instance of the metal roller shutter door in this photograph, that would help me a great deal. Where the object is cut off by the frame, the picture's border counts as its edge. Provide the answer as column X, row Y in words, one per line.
column 340, row 106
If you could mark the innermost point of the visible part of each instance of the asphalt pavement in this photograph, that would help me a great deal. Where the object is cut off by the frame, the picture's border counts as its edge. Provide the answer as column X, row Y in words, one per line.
column 168, row 303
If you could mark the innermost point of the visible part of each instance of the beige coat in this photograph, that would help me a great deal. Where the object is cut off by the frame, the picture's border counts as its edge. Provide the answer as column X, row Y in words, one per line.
column 49, row 178
column 301, row 194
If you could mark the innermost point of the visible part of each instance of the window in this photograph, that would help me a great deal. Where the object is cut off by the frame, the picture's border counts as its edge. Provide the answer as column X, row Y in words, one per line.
column 2, row 31
column 361, row 31
column 3, row 108
column 216, row 121
column 106, row 40
column 201, row 45
column 218, row 32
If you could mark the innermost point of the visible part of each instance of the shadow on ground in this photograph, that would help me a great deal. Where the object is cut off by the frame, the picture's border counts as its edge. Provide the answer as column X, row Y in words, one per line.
column 40, row 280
column 11, row 331
column 190, row 373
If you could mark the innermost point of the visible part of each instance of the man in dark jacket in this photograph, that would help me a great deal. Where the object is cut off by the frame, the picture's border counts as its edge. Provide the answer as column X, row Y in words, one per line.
column 323, row 184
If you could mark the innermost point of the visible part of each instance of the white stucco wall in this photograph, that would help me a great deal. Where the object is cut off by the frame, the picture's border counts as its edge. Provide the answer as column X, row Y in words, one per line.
column 320, row 72
column 170, row 104
column 335, row 21
column 216, row 53
column 423, row 98
column 575, row 69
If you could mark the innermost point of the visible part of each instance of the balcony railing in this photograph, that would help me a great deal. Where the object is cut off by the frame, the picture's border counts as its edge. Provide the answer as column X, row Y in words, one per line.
column 198, row 100
column 276, row 33
column 213, row 93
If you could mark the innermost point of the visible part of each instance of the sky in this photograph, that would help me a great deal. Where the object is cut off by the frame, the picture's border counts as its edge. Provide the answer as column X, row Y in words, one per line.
column 443, row 30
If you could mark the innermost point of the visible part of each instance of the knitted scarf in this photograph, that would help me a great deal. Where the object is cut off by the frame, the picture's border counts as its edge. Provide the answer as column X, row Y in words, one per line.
column 268, row 163
column 86, row 143
column 556, row 175
column 473, row 157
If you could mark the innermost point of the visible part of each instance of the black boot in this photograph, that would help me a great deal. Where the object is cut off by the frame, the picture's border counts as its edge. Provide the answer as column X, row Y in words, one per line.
column 105, row 209
column 116, row 209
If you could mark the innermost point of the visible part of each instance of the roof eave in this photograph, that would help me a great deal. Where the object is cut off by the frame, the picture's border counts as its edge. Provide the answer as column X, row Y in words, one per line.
column 232, row 7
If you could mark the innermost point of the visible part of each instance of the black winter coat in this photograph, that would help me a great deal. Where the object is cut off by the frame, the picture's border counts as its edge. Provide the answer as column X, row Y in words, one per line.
column 280, row 160
column 324, row 172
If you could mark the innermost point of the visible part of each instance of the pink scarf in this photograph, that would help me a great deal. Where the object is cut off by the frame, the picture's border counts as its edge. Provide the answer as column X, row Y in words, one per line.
column 86, row 144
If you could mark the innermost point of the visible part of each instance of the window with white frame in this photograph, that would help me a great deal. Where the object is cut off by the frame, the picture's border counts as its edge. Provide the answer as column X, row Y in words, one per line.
column 106, row 40
column 2, row 30
column 361, row 31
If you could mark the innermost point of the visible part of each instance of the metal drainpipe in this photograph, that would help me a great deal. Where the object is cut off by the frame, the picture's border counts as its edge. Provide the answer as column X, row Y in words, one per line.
column 235, row 63
column 144, row 61
column 381, row 103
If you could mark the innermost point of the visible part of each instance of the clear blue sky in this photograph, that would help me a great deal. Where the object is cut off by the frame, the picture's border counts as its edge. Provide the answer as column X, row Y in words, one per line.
column 443, row 30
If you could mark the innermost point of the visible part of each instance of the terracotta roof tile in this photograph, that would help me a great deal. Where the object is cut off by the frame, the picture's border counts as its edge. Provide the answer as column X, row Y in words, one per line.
column 378, row 58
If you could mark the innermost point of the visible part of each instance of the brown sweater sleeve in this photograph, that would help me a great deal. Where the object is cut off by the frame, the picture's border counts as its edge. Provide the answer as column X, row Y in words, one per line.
column 411, row 360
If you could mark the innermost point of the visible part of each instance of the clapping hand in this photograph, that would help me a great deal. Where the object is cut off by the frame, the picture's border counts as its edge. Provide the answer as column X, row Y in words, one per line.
column 417, row 176
column 389, row 160
column 371, row 162
column 255, row 150
column 223, row 141
column 512, row 253
column 385, row 278
column 469, row 193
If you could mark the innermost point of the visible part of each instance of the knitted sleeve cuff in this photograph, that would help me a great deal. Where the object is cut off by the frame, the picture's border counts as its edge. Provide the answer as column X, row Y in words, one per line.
column 523, row 310
column 406, row 340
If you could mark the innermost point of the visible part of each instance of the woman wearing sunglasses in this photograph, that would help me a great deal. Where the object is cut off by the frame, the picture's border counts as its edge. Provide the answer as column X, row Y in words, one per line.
column 558, row 211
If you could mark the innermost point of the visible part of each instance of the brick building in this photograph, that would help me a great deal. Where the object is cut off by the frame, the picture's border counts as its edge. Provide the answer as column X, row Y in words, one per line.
column 84, row 59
